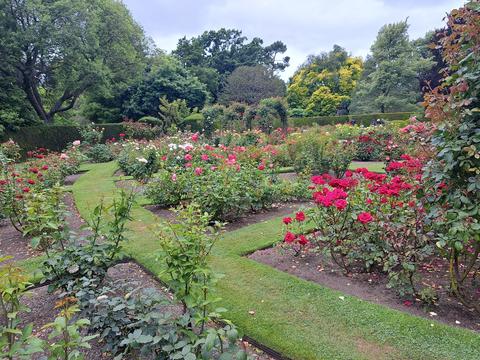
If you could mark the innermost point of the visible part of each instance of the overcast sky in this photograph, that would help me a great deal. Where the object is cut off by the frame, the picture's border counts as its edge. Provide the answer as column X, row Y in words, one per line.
column 305, row 26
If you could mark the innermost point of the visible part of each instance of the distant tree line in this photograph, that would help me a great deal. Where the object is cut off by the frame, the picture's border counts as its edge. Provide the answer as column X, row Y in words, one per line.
column 90, row 61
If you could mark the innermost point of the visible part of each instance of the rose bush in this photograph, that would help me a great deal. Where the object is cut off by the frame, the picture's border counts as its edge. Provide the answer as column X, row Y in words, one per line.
column 368, row 221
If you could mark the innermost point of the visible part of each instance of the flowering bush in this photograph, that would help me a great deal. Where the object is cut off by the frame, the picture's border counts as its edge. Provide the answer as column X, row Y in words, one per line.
column 315, row 152
column 139, row 162
column 226, row 181
column 30, row 195
column 368, row 221
column 373, row 143
column 455, row 173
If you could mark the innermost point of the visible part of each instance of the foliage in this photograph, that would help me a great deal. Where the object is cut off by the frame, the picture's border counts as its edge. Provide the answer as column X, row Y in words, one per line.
column 141, row 164
column 367, row 221
column 30, row 196
column 250, row 84
column 56, row 51
column 454, row 107
column 165, row 77
column 172, row 113
column 68, row 332
column 360, row 119
column 99, row 153
column 69, row 268
column 313, row 152
column 213, row 55
column 15, row 341
column 390, row 80
column 324, row 84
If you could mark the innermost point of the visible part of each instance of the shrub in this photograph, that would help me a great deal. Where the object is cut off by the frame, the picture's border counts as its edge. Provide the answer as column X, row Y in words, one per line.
column 141, row 163
column 368, row 221
column 99, row 153
column 313, row 152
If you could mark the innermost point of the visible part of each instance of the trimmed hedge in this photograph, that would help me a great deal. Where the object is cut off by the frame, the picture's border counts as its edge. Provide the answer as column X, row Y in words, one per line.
column 362, row 119
column 54, row 137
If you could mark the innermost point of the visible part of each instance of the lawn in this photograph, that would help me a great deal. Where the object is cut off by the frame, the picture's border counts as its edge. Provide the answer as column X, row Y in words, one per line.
column 298, row 318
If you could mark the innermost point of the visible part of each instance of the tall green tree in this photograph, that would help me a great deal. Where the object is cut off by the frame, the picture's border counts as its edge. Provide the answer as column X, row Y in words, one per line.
column 226, row 49
column 324, row 83
column 391, row 78
column 57, row 50
column 164, row 77
column 250, row 84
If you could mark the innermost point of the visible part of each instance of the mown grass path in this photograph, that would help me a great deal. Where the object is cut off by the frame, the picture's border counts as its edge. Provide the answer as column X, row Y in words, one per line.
column 300, row 319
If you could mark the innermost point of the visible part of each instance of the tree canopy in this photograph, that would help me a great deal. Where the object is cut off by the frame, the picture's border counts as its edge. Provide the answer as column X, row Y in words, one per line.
column 390, row 81
column 226, row 49
column 324, row 83
column 250, row 84
column 57, row 50
column 164, row 77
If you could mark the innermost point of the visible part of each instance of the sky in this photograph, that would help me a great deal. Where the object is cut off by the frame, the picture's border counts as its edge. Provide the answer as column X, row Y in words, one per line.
column 305, row 26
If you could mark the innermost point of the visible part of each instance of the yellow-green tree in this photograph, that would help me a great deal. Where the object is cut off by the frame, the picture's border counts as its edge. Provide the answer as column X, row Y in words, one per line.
column 324, row 83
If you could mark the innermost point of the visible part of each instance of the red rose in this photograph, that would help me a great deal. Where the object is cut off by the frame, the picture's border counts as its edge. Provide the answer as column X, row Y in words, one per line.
column 122, row 135
column 198, row 171
column 45, row 167
column 289, row 237
column 287, row 220
column 300, row 216
column 340, row 204
column 31, row 182
column 188, row 157
column 26, row 189
column 302, row 240
column 348, row 173
column 364, row 217
column 261, row 167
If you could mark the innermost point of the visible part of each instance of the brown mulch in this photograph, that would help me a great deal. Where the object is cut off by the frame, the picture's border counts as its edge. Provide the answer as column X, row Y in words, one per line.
column 277, row 210
column 372, row 286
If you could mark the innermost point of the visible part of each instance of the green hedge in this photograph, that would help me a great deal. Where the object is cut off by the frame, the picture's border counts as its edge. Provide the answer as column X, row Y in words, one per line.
column 54, row 137
column 362, row 119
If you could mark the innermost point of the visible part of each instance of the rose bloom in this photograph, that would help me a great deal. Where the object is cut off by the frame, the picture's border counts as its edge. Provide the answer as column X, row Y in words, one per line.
column 365, row 217
column 205, row 157
column 287, row 220
column 302, row 240
column 174, row 177
column 188, row 157
column 261, row 167
column 188, row 165
column 63, row 156
column 76, row 143
column 26, row 189
column 300, row 216
column 31, row 182
column 289, row 237
column 122, row 135
column 194, row 137
column 213, row 168
column 340, row 204
column 45, row 167
column 198, row 171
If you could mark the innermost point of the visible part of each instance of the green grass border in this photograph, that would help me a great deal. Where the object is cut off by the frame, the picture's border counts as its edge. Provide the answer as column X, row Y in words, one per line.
column 298, row 318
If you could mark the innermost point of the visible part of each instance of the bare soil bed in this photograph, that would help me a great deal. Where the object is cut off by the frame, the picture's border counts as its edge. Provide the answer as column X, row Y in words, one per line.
column 372, row 286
